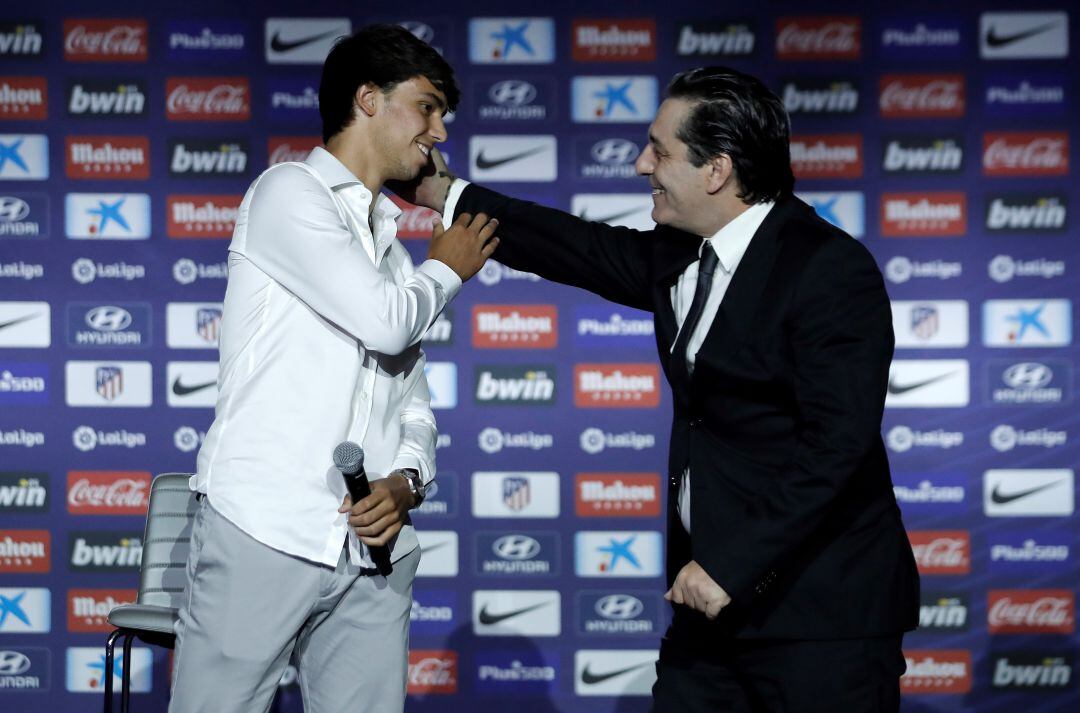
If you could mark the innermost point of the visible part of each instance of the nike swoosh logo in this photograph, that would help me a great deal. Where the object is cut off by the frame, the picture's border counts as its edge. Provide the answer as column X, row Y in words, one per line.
column 487, row 618
column 279, row 45
column 17, row 320
column 995, row 40
column 589, row 678
column 896, row 389
column 609, row 218
column 184, row 390
column 483, row 162
column 1000, row 498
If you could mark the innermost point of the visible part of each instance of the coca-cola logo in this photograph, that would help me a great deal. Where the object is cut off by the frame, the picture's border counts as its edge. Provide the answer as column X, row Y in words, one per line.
column 105, row 40
column 108, row 492
column 1024, row 153
column 414, row 221
column 941, row 552
column 432, row 672
column 921, row 95
column 290, row 148
column 217, row 99
column 1031, row 612
column 818, row 38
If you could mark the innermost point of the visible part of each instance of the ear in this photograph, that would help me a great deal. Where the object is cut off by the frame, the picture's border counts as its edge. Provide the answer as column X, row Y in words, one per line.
column 366, row 98
column 720, row 172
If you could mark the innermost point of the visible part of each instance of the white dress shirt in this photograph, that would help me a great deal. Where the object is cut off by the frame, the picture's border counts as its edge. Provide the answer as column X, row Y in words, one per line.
column 319, row 344
column 730, row 243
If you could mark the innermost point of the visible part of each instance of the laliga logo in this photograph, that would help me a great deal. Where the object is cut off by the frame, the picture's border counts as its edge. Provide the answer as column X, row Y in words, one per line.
column 491, row 440
column 1002, row 268
column 898, row 269
column 490, row 274
column 85, row 438
column 592, row 440
column 901, row 439
column 185, row 271
column 186, row 439
column 84, row 271
column 1003, row 438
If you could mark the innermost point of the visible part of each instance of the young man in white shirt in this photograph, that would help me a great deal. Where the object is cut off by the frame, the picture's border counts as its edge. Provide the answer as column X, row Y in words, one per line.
column 320, row 343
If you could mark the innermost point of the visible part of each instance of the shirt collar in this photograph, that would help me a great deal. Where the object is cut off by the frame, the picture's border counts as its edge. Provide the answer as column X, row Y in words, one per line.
column 338, row 177
column 731, row 241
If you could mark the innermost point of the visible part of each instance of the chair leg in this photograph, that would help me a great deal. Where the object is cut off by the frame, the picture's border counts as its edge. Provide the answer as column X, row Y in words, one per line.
column 106, row 675
column 125, row 676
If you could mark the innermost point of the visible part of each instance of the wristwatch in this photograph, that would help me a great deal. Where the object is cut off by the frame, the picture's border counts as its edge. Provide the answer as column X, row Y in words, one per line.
column 416, row 485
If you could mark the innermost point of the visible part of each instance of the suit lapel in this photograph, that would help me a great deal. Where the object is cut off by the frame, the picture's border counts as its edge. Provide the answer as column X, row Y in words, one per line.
column 738, row 309
column 675, row 252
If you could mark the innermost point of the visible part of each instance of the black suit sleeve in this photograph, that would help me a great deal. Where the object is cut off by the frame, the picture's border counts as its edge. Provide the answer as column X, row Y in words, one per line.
column 840, row 334
column 609, row 261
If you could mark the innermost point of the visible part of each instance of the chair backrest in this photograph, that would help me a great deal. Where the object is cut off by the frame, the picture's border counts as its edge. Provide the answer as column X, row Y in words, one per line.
column 166, row 540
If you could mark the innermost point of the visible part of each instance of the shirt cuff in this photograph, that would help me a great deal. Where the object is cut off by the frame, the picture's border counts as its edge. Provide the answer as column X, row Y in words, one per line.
column 446, row 278
column 404, row 460
column 452, row 196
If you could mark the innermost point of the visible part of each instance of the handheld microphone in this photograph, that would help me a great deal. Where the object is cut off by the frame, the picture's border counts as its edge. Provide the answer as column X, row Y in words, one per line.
column 349, row 459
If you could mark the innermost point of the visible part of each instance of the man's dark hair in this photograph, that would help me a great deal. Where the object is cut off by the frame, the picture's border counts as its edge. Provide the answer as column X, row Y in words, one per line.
column 735, row 114
column 385, row 55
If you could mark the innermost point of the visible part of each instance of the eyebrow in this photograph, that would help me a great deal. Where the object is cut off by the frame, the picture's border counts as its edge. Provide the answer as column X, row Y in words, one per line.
column 655, row 141
column 435, row 98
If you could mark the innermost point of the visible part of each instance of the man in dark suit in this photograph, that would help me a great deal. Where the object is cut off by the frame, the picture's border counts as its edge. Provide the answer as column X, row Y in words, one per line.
column 791, row 577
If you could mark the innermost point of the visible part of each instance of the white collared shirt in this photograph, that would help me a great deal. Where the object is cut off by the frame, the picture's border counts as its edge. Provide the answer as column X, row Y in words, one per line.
column 730, row 244
column 319, row 344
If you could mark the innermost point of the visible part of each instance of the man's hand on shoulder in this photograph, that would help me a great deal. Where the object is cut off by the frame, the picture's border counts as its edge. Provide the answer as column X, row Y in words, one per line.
column 381, row 515
column 693, row 587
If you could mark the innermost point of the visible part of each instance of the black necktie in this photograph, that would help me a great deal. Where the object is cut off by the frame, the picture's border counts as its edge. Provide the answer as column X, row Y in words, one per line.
column 706, row 268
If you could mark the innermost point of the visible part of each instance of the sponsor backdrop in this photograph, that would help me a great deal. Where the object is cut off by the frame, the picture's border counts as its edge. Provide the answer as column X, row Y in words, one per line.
column 940, row 136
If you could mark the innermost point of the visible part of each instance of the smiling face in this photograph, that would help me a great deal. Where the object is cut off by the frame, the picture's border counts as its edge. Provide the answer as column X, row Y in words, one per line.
column 679, row 189
column 410, row 124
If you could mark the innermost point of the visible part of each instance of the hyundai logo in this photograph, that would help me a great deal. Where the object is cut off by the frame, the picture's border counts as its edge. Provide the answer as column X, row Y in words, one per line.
column 615, row 152
column 13, row 663
column 619, row 606
column 419, row 30
column 516, row 547
column 1028, row 374
column 108, row 318
column 512, row 92
column 13, row 209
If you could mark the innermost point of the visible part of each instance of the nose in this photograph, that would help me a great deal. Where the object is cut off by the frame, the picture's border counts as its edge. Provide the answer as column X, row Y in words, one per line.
column 646, row 161
column 437, row 130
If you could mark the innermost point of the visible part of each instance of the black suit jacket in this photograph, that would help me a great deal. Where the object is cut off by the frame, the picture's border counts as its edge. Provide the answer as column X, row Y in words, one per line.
column 792, row 509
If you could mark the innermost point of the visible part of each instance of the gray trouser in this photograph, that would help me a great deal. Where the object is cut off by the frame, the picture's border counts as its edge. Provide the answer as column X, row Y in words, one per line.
column 249, row 608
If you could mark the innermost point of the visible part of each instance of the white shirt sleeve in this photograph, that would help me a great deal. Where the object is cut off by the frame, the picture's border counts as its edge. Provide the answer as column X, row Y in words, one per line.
column 295, row 235
column 452, row 197
column 418, row 430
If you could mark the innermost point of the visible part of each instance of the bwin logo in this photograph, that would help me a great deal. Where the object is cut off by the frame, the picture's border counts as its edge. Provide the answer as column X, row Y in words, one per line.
column 512, row 92
column 615, row 152
column 516, row 547
column 619, row 606
column 108, row 318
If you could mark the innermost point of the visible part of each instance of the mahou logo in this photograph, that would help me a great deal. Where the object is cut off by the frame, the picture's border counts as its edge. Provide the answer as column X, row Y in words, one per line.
column 415, row 222
column 920, row 215
column 941, row 551
column 88, row 609
column 1031, row 611
column 932, row 671
column 207, row 99
column 280, row 149
column 25, row 551
column 614, row 40
column 1025, row 153
column 617, row 494
column 201, row 216
column 24, row 98
column 515, row 327
column 432, row 671
column 94, row 40
column 827, row 156
column 921, row 96
column 818, row 38
column 108, row 157
column 617, row 385
column 108, row 492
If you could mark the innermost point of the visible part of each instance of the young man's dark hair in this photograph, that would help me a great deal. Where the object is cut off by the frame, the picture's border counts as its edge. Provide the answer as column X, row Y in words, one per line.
column 384, row 55
column 737, row 115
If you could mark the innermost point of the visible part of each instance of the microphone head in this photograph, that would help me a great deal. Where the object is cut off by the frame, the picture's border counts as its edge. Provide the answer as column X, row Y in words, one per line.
column 349, row 458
